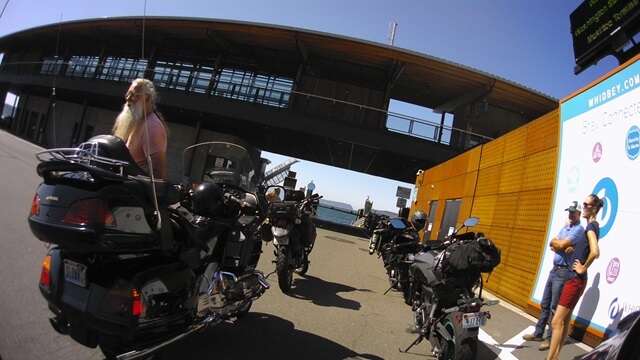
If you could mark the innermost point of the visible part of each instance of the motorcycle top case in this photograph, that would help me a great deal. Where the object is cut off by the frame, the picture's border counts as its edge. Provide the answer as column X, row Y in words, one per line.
column 127, row 227
column 467, row 256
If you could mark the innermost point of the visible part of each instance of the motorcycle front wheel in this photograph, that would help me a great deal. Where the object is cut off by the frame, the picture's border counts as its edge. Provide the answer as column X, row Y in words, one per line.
column 462, row 346
column 283, row 269
column 373, row 240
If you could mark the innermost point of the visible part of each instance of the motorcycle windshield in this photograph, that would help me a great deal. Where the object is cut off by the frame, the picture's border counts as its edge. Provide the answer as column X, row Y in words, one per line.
column 218, row 162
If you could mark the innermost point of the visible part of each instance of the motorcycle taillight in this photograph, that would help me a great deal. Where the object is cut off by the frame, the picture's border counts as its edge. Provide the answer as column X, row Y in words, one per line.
column 45, row 274
column 281, row 223
column 137, row 307
column 35, row 205
column 90, row 211
column 123, row 299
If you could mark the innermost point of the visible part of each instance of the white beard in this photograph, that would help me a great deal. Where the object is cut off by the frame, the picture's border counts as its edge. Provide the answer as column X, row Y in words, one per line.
column 126, row 121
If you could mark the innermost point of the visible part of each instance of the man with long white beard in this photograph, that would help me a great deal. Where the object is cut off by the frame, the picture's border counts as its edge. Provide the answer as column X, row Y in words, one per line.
column 143, row 128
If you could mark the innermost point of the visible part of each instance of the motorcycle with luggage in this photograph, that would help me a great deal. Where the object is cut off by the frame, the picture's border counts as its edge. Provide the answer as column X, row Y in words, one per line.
column 396, row 240
column 137, row 263
column 446, row 292
column 290, row 227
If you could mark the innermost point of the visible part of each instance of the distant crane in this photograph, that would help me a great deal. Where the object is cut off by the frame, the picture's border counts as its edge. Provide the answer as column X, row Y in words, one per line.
column 278, row 173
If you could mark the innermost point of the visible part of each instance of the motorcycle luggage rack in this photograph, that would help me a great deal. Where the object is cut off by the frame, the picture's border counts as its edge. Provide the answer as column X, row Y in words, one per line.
column 87, row 157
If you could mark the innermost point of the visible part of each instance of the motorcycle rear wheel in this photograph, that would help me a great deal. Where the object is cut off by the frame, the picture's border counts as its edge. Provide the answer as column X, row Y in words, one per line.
column 283, row 269
column 462, row 346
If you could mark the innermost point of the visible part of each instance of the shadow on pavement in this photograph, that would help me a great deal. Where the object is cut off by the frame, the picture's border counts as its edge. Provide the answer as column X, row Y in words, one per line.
column 259, row 336
column 323, row 293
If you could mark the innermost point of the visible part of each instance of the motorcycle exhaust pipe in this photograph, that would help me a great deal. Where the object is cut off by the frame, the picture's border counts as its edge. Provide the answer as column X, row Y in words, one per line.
column 59, row 325
column 262, row 279
column 491, row 302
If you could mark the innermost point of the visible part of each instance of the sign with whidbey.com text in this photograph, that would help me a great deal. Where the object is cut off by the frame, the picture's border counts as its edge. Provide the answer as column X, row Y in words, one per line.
column 599, row 153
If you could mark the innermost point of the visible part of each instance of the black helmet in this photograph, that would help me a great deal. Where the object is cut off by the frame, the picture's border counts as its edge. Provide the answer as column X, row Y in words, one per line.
column 207, row 199
column 418, row 219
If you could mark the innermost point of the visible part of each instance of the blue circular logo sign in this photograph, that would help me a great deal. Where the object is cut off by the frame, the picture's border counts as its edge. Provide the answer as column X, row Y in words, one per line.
column 614, row 309
column 632, row 143
column 607, row 191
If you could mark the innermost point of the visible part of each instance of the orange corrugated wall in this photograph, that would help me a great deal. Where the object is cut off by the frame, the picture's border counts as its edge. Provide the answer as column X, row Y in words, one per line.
column 508, row 183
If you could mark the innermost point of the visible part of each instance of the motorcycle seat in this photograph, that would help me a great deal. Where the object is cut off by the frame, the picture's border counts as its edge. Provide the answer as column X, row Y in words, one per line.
column 165, row 190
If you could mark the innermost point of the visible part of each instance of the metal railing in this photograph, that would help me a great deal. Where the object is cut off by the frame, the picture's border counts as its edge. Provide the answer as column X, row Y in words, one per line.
column 309, row 105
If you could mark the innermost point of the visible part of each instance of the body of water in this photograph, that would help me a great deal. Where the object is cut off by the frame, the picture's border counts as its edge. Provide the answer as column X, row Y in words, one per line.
column 336, row 216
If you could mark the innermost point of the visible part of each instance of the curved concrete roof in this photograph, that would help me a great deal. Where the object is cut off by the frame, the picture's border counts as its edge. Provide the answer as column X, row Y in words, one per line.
column 415, row 78
column 332, row 65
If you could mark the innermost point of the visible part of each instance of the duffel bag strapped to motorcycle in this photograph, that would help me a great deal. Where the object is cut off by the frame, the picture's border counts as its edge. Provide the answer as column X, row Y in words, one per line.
column 479, row 255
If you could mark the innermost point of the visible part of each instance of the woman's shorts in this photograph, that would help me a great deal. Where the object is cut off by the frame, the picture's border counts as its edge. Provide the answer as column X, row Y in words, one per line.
column 571, row 292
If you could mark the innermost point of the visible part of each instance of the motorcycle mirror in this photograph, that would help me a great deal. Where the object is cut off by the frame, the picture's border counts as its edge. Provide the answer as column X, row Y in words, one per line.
column 274, row 193
column 472, row 221
column 398, row 224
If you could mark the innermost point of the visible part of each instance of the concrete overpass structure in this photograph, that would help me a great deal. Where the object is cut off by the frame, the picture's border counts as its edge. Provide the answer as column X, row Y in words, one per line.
column 309, row 95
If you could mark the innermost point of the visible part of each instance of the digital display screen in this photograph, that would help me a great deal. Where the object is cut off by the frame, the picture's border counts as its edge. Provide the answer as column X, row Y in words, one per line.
column 594, row 22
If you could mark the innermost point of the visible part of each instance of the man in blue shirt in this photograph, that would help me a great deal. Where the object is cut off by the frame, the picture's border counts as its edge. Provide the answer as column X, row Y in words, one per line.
column 562, row 246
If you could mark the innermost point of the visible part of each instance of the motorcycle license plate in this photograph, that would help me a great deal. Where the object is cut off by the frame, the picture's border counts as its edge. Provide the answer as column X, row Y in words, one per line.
column 473, row 320
column 281, row 241
column 75, row 273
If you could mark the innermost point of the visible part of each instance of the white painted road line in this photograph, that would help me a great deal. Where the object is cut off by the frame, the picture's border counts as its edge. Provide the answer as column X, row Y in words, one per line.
column 504, row 351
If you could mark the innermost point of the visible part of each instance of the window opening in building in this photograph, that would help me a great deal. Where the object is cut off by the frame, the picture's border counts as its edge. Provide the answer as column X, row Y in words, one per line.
column 418, row 121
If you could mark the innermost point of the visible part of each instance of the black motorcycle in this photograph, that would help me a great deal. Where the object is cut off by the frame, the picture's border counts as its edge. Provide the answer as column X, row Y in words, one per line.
column 621, row 344
column 446, row 292
column 395, row 241
column 293, row 232
column 140, row 263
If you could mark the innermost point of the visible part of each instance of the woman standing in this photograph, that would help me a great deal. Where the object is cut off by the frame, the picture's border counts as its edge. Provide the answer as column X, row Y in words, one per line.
column 585, row 252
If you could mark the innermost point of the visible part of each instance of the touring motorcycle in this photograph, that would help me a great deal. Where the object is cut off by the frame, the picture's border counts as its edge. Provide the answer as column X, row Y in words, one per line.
column 136, row 263
column 395, row 241
column 293, row 232
column 446, row 292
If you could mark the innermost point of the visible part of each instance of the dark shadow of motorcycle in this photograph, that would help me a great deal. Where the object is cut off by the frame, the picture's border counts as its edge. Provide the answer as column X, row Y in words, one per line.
column 323, row 293
column 260, row 336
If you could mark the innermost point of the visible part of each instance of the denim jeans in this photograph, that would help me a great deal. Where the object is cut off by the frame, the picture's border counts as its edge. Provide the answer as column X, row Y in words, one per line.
column 550, row 297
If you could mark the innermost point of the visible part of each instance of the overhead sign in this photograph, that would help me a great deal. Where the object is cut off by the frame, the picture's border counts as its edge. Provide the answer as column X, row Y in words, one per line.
column 403, row 192
column 600, row 28
column 599, row 153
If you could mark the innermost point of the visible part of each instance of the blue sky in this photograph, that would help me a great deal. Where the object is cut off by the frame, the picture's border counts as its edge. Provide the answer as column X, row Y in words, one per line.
column 526, row 42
